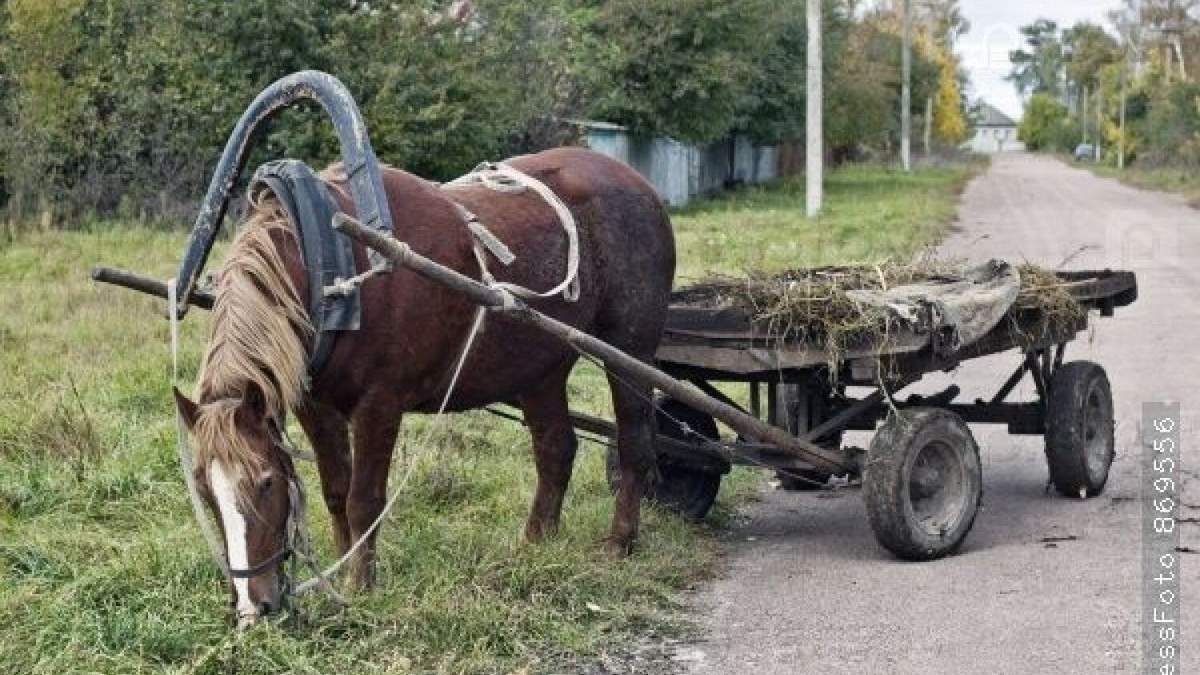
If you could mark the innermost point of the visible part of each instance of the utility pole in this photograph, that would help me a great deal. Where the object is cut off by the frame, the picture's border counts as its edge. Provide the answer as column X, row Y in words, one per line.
column 1124, row 95
column 906, row 90
column 815, row 153
column 1177, row 43
column 1083, row 116
column 928, row 127
column 1099, row 121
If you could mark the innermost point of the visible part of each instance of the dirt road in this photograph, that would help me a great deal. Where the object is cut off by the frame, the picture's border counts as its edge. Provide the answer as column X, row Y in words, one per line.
column 808, row 589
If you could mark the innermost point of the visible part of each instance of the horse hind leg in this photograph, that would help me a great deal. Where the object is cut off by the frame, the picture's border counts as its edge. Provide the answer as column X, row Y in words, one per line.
column 635, row 457
column 554, row 446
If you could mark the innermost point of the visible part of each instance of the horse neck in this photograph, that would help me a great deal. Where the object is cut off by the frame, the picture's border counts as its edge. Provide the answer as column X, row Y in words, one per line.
column 260, row 327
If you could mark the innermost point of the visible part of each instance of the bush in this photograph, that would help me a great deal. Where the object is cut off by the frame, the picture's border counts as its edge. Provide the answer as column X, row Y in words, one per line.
column 1048, row 126
column 1171, row 130
column 123, row 106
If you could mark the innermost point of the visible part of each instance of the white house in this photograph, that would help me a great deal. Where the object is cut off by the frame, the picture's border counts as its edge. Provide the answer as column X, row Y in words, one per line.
column 994, row 132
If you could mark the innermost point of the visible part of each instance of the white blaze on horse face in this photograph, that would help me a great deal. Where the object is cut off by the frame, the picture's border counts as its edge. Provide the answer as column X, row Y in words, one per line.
column 225, row 494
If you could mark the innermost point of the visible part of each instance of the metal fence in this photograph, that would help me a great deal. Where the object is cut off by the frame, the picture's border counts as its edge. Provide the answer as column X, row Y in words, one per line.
column 679, row 171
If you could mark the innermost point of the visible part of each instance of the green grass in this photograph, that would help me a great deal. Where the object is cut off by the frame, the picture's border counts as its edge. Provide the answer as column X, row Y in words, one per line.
column 1185, row 182
column 102, row 570
column 871, row 213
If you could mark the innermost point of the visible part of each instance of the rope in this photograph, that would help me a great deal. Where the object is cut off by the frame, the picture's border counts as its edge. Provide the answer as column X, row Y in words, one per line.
column 215, row 547
column 346, row 287
column 424, row 448
column 505, row 179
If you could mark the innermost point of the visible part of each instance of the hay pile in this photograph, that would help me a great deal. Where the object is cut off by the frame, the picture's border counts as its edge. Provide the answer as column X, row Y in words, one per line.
column 812, row 305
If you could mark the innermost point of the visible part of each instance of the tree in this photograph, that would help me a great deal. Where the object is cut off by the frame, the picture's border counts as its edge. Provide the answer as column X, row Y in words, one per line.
column 1038, row 70
column 774, row 109
column 537, row 48
column 122, row 106
column 435, row 100
column 863, row 93
column 1091, row 50
column 1046, row 125
column 1169, row 21
column 949, row 122
column 942, row 20
column 682, row 68
column 1171, row 128
column 7, row 92
column 945, row 20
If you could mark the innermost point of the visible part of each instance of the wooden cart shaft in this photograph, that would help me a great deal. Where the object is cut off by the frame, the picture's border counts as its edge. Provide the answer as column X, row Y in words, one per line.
column 721, row 345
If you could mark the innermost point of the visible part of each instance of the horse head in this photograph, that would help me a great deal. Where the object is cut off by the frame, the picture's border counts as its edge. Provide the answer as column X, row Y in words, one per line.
column 249, row 483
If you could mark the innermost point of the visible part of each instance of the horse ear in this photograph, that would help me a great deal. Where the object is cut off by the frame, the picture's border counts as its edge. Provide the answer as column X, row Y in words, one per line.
column 188, row 410
column 253, row 408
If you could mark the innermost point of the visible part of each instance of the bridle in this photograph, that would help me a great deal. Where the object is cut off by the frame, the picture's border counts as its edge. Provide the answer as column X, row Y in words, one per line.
column 284, row 553
column 295, row 540
column 296, row 548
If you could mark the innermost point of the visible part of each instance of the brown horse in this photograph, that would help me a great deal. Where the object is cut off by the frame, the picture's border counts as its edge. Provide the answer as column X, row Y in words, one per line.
column 400, row 360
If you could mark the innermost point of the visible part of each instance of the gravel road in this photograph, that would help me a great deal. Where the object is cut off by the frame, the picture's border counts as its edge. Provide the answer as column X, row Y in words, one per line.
column 809, row 591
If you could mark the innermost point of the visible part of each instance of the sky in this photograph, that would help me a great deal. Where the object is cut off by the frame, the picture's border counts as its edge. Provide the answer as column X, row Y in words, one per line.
column 994, row 32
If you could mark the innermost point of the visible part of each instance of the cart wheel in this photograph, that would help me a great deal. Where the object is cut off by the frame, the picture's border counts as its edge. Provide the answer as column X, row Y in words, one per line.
column 686, row 490
column 923, row 483
column 1079, row 429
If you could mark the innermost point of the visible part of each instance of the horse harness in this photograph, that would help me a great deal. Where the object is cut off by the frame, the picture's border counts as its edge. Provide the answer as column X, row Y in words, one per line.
column 334, row 305
column 334, row 300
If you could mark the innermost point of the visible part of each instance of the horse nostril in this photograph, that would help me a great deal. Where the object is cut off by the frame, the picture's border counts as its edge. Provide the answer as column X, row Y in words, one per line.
column 265, row 607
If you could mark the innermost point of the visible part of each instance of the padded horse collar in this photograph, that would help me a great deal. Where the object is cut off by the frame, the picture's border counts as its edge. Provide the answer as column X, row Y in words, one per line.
column 328, row 256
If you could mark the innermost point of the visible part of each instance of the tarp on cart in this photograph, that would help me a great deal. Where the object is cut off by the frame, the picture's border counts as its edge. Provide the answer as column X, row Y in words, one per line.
column 957, row 310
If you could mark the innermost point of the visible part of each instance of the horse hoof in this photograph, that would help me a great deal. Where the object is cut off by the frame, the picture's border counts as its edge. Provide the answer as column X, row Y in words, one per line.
column 359, row 580
column 618, row 548
column 537, row 532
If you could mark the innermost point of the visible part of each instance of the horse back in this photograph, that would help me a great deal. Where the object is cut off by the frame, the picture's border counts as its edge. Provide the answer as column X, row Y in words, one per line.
column 413, row 328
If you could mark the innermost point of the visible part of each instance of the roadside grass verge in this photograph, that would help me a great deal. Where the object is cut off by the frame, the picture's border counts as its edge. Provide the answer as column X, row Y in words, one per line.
column 101, row 568
column 1185, row 182
column 871, row 213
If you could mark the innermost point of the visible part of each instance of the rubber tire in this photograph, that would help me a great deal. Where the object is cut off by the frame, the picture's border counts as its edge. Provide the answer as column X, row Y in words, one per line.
column 687, row 491
column 887, row 482
column 1066, row 417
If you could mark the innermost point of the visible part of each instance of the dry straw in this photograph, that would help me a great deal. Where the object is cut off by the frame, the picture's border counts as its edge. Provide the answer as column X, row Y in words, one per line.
column 813, row 305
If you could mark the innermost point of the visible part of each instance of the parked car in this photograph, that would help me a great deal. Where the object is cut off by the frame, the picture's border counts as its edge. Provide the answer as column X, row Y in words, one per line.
column 1085, row 152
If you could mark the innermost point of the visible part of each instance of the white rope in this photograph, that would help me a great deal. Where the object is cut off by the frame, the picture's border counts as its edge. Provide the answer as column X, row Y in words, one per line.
column 346, row 287
column 424, row 448
column 507, row 180
column 181, row 443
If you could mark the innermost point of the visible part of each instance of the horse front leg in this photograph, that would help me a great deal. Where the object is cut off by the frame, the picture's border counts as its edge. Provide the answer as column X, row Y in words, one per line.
column 329, row 434
column 375, row 429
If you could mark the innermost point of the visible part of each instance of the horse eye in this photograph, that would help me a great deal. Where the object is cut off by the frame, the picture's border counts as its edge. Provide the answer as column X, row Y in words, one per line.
column 265, row 483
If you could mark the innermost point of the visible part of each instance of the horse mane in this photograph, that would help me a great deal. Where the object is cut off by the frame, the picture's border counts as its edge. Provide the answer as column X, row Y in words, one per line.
column 258, row 338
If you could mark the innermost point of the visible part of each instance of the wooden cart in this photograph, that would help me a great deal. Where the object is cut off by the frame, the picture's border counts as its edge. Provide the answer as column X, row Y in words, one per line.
column 921, row 474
